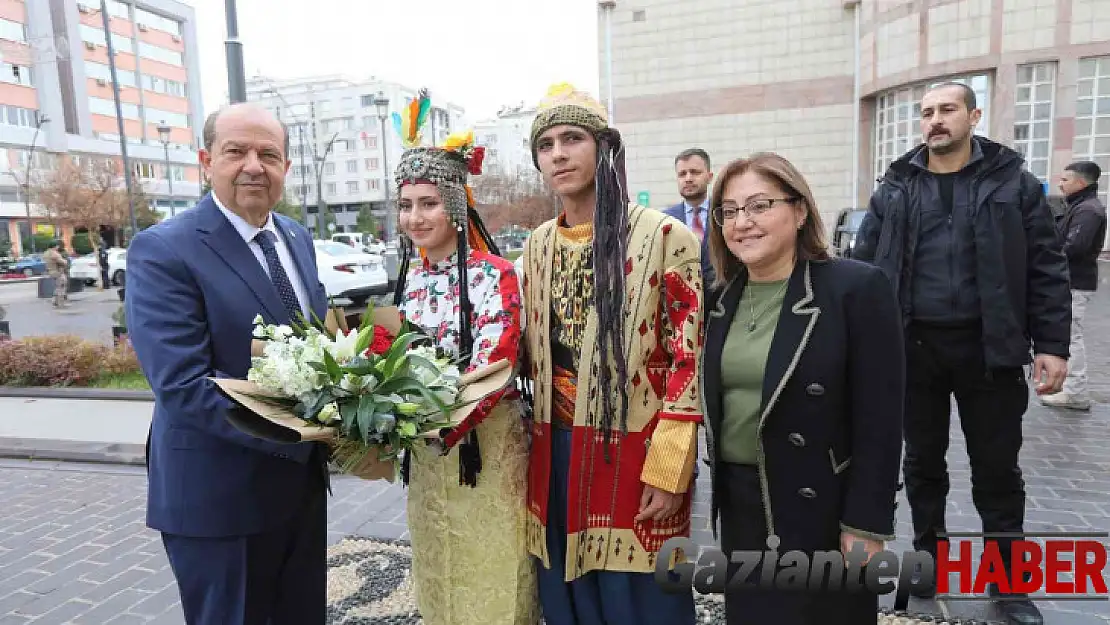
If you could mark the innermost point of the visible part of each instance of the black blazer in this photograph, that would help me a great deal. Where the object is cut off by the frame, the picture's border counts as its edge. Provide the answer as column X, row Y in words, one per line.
column 833, row 393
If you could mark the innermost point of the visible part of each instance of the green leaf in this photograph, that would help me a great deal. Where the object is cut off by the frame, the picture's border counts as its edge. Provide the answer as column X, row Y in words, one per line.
column 364, row 338
column 407, row 428
column 317, row 403
column 366, row 408
column 319, row 366
column 368, row 319
column 333, row 370
column 348, row 410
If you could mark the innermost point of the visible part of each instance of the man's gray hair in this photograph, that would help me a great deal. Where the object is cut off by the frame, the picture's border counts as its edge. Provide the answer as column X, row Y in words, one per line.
column 210, row 131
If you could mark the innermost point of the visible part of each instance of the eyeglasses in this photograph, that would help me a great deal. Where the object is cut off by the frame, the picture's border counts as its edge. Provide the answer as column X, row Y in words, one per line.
column 726, row 213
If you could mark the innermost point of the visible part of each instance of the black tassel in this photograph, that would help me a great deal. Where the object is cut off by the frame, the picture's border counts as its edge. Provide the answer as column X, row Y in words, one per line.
column 406, row 465
column 609, row 252
column 470, row 460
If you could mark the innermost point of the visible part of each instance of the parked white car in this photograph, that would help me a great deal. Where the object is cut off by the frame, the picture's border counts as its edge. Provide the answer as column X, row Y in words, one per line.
column 87, row 267
column 369, row 244
column 350, row 274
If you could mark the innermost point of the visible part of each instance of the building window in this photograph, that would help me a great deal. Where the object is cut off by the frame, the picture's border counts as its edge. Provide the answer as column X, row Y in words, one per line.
column 151, row 20
column 163, row 85
column 13, row 31
column 898, row 118
column 372, row 184
column 100, row 106
column 372, row 164
column 100, row 71
column 349, row 123
column 329, row 169
column 369, row 141
column 368, row 121
column 330, row 188
column 1033, row 111
column 352, row 167
column 15, row 74
column 115, row 7
column 1092, row 118
column 177, row 120
column 160, row 54
column 352, row 188
column 367, row 101
column 96, row 36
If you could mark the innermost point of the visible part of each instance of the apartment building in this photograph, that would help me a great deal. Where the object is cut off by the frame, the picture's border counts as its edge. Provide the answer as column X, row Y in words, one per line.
column 337, row 143
column 506, row 139
column 833, row 85
column 56, row 100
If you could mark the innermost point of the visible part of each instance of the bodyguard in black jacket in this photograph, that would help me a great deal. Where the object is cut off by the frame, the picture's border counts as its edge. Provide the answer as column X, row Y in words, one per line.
column 966, row 236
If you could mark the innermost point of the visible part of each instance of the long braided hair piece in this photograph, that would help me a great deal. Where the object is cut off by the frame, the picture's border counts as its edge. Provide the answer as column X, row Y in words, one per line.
column 610, row 249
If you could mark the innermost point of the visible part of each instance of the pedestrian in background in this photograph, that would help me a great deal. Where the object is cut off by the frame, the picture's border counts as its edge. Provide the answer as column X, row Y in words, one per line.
column 1083, row 228
column 965, row 234
column 57, row 267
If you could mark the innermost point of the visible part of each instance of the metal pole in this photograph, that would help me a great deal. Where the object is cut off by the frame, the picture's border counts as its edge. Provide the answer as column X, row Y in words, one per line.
column 236, row 79
column 390, row 226
column 27, row 182
column 608, row 6
column 304, row 182
column 169, row 177
column 119, row 117
column 321, row 205
column 856, row 124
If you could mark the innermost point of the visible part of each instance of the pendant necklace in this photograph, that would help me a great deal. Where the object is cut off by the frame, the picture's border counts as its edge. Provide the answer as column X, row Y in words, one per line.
column 751, row 305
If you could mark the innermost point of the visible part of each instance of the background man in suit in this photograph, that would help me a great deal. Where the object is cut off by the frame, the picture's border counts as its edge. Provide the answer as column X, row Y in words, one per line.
column 243, row 521
column 694, row 174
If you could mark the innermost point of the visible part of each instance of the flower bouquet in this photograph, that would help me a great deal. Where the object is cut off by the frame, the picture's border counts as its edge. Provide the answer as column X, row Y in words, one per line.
column 370, row 393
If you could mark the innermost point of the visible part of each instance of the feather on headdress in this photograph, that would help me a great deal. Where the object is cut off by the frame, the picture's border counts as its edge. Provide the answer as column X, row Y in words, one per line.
column 409, row 123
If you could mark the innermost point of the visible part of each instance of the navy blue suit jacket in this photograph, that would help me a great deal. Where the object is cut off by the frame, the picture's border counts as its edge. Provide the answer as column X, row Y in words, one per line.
column 678, row 211
column 193, row 290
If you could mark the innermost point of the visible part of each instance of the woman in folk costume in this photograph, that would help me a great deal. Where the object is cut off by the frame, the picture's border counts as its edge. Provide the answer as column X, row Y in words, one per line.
column 466, row 499
column 613, row 297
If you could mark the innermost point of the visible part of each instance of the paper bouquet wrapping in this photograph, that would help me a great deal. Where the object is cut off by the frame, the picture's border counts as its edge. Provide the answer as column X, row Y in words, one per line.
column 369, row 393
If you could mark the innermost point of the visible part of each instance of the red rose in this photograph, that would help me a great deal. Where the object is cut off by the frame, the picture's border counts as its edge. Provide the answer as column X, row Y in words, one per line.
column 381, row 342
column 476, row 158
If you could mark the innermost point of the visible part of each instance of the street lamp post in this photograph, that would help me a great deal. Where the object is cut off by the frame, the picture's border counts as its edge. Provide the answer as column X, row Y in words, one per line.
column 164, row 135
column 304, row 180
column 321, row 205
column 39, row 122
column 119, row 116
column 382, row 104
column 236, row 79
column 607, row 6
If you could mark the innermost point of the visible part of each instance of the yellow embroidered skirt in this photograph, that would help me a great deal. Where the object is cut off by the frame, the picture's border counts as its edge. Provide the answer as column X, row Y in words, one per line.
column 470, row 561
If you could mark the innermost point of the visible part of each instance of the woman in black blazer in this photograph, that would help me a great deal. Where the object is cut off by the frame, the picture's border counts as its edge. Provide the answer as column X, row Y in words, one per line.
column 803, row 390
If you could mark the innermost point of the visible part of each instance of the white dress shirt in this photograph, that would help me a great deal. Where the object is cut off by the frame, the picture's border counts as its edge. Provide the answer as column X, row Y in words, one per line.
column 248, row 232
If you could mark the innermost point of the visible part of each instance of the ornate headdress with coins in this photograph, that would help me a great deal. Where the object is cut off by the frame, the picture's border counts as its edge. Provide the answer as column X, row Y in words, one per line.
column 448, row 167
column 564, row 105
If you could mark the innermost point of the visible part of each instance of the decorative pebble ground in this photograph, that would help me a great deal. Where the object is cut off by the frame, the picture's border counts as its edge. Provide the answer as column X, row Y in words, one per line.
column 369, row 584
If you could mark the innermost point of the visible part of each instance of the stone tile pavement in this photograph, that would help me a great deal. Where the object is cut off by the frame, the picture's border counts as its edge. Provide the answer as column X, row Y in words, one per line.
column 74, row 547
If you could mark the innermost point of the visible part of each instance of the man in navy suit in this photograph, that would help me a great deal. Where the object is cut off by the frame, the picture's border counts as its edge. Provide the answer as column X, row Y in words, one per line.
column 243, row 521
column 692, row 169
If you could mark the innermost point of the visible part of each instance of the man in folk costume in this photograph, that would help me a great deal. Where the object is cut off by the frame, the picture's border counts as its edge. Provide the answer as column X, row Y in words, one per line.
column 614, row 446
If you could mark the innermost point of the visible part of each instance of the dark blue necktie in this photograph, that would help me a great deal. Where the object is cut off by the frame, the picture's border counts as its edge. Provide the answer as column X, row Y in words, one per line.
column 281, row 281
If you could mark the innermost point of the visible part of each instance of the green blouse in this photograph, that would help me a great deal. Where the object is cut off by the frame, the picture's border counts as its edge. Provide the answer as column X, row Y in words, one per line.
column 743, row 361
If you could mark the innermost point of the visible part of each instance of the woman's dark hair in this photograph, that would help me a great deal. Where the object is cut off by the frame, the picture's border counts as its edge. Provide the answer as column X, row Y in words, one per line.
column 812, row 244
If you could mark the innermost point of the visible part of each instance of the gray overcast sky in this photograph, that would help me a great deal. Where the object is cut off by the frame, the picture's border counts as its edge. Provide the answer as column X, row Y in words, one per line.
column 480, row 54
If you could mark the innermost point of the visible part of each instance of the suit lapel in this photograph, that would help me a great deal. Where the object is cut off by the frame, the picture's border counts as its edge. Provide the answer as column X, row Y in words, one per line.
column 796, row 323
column 222, row 238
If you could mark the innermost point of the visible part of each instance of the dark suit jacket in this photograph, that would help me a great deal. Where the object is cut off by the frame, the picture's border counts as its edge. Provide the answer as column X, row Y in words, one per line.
column 831, row 425
column 193, row 290
column 678, row 211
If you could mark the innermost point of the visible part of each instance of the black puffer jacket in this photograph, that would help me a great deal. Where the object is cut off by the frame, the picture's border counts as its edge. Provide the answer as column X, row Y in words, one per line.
column 1083, row 227
column 1021, row 271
